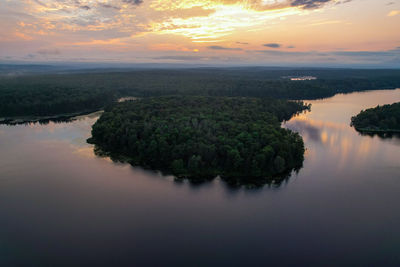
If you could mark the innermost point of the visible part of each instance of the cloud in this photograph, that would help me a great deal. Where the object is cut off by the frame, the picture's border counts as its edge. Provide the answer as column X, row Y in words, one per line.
column 180, row 58
column 202, row 59
column 282, row 53
column 394, row 13
column 280, row 4
column 183, row 13
column 272, row 45
column 309, row 4
column 85, row 27
column 389, row 57
column 40, row 3
column 109, row 6
column 367, row 53
column 133, row 2
column 217, row 47
column 343, row 2
column 78, row 4
column 201, row 21
column 115, row 5
column 45, row 52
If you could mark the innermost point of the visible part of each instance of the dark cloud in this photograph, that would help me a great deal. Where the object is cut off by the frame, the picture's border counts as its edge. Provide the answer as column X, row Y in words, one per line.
column 217, row 47
column 272, row 45
column 133, row 2
column 343, row 2
column 242, row 43
column 79, row 5
column 291, row 46
column 109, row 6
column 45, row 52
column 310, row 4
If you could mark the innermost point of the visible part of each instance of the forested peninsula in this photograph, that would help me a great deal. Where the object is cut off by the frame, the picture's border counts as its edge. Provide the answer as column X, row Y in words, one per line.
column 195, row 137
column 73, row 92
column 381, row 119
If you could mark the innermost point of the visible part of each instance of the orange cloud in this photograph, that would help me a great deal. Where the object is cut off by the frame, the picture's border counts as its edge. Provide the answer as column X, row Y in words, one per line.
column 100, row 42
column 171, row 47
column 23, row 36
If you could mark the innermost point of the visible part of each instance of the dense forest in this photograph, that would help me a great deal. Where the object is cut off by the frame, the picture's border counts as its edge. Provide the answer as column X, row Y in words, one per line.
column 198, row 138
column 68, row 92
column 381, row 119
column 44, row 99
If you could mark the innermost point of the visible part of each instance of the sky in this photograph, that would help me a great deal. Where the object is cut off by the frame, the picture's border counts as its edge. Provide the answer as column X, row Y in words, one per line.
column 211, row 32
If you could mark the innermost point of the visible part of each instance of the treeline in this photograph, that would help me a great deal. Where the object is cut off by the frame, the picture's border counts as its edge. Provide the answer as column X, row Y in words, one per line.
column 74, row 92
column 202, row 137
column 44, row 99
column 380, row 119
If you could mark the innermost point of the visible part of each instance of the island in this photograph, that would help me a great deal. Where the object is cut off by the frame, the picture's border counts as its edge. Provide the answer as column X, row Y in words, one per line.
column 196, row 137
column 381, row 119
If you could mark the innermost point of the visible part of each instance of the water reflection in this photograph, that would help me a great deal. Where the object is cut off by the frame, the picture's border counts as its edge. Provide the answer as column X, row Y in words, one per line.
column 246, row 183
column 381, row 135
column 60, row 204
column 329, row 137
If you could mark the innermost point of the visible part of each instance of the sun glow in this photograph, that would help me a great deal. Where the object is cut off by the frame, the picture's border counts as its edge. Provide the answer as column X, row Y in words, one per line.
column 302, row 31
column 225, row 20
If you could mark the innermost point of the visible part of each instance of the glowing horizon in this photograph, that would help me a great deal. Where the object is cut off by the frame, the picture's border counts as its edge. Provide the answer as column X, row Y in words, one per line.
column 206, row 31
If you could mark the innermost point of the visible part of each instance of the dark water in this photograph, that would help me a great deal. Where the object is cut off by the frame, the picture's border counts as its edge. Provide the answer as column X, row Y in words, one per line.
column 62, row 205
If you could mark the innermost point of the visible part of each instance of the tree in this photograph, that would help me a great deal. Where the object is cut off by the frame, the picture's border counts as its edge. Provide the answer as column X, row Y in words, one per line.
column 279, row 164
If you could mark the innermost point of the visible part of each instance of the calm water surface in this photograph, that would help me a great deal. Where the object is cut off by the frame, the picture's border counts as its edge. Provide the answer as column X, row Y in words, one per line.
column 62, row 205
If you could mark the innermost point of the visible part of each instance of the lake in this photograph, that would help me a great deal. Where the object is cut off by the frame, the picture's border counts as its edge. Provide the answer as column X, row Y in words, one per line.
column 60, row 204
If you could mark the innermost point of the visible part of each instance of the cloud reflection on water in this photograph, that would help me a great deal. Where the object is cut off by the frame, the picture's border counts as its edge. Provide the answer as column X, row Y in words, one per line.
column 331, row 141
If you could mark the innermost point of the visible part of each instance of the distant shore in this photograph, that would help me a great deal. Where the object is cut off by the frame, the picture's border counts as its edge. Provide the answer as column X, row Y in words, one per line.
column 58, row 117
column 43, row 119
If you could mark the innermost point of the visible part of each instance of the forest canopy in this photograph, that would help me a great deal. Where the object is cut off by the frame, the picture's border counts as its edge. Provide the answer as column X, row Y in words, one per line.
column 198, row 138
column 71, row 92
column 381, row 119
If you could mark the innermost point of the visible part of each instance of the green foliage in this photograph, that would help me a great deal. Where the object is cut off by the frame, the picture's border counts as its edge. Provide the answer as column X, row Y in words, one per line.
column 30, row 98
column 379, row 119
column 53, row 94
column 202, row 137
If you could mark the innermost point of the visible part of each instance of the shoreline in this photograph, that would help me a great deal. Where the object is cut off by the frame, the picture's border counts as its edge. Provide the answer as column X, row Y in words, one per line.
column 43, row 119
column 63, row 117
column 377, row 131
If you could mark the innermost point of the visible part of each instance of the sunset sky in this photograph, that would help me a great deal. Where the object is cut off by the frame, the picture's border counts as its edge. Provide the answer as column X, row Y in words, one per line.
column 247, row 32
